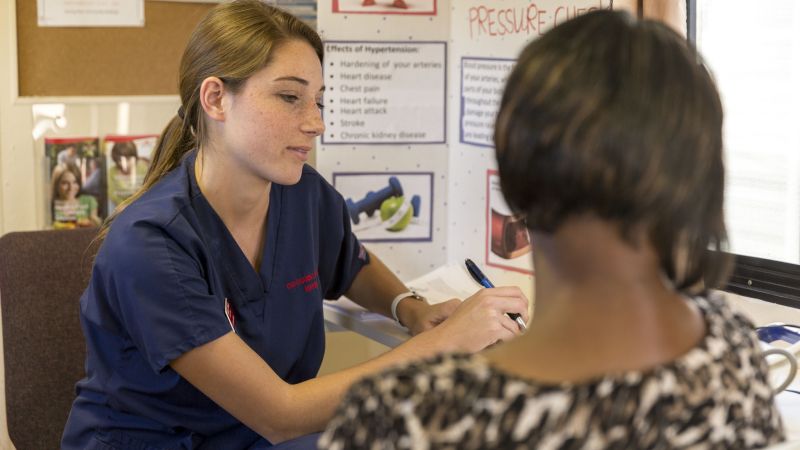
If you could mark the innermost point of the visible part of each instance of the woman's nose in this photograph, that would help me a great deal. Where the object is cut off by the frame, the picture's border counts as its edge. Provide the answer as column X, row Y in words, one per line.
column 313, row 124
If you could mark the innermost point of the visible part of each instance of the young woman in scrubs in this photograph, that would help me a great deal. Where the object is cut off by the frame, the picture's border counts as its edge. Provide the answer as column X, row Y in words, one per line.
column 203, row 317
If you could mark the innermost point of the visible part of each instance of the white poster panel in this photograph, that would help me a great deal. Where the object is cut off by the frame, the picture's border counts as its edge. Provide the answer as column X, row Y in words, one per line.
column 90, row 13
column 385, row 92
column 508, row 243
column 388, row 206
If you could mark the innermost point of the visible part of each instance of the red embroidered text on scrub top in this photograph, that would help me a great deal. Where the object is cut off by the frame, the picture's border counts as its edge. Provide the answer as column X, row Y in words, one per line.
column 309, row 282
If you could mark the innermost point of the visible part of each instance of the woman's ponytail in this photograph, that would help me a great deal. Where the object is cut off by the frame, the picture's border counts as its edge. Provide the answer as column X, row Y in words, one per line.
column 175, row 141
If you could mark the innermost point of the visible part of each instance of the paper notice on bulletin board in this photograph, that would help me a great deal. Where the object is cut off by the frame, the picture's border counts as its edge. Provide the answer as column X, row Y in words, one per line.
column 90, row 13
column 385, row 92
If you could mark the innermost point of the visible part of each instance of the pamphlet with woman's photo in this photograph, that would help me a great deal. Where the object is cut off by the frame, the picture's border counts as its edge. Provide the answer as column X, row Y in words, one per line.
column 77, row 182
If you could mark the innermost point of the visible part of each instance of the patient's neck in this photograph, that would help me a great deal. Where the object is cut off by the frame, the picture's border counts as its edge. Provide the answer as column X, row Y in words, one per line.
column 587, row 260
column 602, row 306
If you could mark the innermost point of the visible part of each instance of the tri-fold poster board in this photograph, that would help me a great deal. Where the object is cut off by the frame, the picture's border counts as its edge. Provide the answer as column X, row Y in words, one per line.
column 413, row 88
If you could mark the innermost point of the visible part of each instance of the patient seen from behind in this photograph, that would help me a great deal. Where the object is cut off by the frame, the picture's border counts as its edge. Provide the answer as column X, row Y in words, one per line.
column 609, row 144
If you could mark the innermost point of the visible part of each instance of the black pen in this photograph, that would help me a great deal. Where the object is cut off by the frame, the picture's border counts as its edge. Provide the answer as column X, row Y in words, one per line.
column 478, row 276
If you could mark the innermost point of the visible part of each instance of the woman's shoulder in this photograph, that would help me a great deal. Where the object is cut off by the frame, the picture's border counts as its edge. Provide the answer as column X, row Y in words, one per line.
column 441, row 401
column 728, row 330
column 165, row 210
column 165, row 200
column 451, row 376
column 715, row 379
column 459, row 365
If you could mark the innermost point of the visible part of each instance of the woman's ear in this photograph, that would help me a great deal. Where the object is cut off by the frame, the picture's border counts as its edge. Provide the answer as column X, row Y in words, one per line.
column 212, row 91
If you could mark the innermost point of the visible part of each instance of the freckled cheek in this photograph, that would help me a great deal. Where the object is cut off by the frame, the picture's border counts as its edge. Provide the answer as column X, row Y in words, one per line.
column 266, row 143
column 264, row 133
column 256, row 130
column 260, row 119
column 263, row 129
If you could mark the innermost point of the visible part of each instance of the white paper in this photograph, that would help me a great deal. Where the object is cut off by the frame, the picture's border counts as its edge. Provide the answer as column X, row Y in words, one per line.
column 90, row 13
column 444, row 283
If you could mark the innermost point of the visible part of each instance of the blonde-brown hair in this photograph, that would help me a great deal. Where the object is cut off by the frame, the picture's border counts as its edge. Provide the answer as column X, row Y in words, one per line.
column 232, row 42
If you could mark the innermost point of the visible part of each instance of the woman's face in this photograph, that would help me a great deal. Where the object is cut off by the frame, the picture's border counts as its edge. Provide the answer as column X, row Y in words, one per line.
column 270, row 125
column 68, row 186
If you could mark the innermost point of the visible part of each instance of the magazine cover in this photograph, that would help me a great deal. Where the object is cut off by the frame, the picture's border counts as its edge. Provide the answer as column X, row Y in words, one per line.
column 77, row 182
column 127, row 161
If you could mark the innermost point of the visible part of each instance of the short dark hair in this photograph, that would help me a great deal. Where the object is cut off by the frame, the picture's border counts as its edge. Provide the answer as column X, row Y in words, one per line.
column 619, row 118
column 122, row 149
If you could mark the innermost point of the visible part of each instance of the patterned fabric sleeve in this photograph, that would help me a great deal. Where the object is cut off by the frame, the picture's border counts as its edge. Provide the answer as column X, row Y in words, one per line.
column 739, row 333
column 716, row 396
column 364, row 419
column 435, row 403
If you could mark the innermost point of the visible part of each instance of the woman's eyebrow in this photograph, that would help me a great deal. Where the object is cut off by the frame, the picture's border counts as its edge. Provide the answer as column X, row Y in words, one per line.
column 302, row 81
column 292, row 78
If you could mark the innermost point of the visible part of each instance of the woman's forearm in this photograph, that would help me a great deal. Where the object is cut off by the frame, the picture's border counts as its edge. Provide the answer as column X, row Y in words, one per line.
column 237, row 379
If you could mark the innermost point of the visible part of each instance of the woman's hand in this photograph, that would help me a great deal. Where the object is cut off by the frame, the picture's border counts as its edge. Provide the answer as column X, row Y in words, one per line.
column 481, row 320
column 419, row 316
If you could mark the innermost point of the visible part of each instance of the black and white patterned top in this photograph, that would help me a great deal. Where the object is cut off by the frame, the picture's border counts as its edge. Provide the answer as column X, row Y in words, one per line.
column 715, row 396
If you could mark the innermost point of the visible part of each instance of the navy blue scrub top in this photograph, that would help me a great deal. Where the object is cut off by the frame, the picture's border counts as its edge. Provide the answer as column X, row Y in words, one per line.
column 161, row 285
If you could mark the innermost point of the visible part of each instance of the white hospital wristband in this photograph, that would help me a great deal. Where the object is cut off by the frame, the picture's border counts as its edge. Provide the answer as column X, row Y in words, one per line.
column 404, row 295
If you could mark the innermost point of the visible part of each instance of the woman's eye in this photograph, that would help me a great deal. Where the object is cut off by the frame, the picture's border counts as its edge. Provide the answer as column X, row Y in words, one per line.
column 289, row 98
column 320, row 105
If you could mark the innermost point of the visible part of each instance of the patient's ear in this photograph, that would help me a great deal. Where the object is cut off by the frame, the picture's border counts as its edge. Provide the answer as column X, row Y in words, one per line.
column 212, row 96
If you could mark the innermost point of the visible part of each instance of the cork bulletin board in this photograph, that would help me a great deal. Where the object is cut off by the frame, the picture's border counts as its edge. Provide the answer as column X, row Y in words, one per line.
column 105, row 61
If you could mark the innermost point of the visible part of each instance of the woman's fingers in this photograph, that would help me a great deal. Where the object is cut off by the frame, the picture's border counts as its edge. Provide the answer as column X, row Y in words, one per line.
column 482, row 319
column 504, row 299
column 520, row 305
column 439, row 312
column 510, row 325
column 509, row 331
